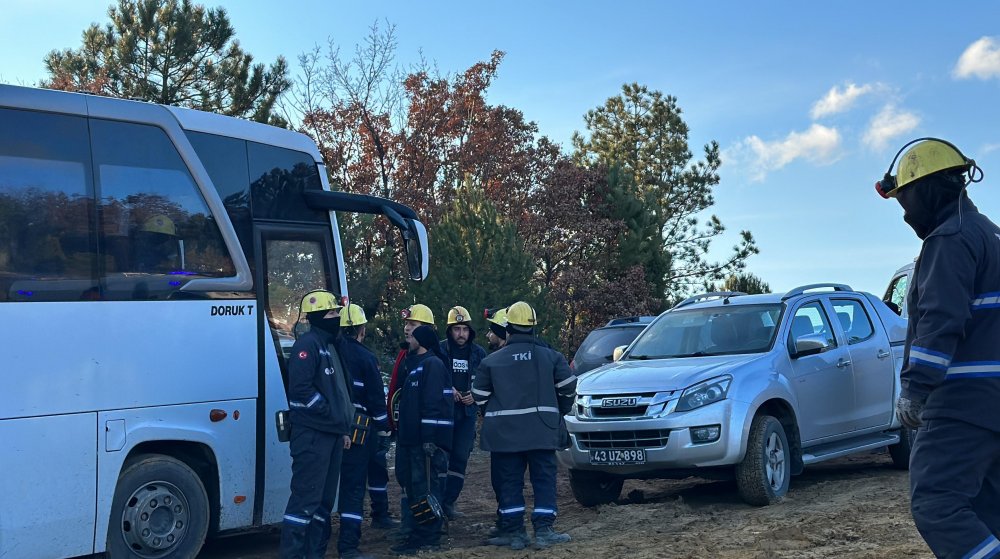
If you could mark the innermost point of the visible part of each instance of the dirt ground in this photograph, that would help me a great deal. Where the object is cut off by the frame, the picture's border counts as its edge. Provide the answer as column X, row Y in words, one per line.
column 852, row 508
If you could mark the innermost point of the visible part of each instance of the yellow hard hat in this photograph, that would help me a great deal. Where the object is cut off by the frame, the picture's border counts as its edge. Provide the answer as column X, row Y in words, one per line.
column 521, row 314
column 320, row 300
column 458, row 315
column 927, row 157
column 159, row 223
column 355, row 316
column 420, row 313
column 498, row 316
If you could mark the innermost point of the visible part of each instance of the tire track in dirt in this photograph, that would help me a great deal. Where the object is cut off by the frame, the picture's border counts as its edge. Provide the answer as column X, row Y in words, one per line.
column 851, row 508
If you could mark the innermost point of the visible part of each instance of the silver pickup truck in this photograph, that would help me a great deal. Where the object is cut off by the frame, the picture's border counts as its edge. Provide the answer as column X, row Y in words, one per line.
column 751, row 387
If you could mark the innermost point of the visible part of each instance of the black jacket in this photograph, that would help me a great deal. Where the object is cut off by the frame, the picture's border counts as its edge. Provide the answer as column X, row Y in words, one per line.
column 318, row 385
column 368, row 389
column 526, row 389
column 426, row 402
column 953, row 335
column 463, row 362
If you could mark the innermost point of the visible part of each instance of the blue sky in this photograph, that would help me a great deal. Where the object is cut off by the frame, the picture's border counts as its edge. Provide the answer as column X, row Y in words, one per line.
column 809, row 101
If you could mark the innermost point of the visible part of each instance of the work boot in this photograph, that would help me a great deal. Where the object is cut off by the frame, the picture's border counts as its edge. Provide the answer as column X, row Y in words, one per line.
column 384, row 523
column 450, row 511
column 495, row 530
column 547, row 536
column 516, row 540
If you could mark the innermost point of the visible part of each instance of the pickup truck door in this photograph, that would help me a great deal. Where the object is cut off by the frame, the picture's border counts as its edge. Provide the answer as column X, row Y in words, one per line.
column 822, row 382
column 871, row 359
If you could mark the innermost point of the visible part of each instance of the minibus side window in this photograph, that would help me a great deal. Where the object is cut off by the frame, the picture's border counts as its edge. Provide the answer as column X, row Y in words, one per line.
column 154, row 224
column 278, row 178
column 48, row 247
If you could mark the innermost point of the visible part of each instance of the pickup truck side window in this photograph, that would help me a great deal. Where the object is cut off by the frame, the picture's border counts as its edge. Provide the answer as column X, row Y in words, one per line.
column 811, row 319
column 854, row 319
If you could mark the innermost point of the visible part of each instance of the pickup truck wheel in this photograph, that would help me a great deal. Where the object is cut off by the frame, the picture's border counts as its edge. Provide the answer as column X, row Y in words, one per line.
column 763, row 475
column 594, row 488
column 160, row 510
column 900, row 452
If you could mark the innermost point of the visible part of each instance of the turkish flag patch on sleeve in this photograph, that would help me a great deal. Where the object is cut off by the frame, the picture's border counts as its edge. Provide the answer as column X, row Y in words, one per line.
column 303, row 355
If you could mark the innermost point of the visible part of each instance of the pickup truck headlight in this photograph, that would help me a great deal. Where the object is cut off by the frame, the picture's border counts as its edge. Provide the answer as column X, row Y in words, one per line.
column 704, row 393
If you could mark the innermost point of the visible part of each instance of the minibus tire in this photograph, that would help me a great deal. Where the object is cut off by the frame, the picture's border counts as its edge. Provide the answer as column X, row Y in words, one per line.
column 160, row 510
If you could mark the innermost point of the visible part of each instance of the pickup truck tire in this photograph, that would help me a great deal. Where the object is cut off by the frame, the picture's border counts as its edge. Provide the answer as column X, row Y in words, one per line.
column 594, row 488
column 763, row 476
column 160, row 510
column 900, row 452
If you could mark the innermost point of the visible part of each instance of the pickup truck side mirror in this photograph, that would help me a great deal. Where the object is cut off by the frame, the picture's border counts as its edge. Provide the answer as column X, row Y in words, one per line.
column 619, row 351
column 810, row 344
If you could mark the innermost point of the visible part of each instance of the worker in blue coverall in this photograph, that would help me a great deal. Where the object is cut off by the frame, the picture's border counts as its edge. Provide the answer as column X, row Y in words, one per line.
column 951, row 378
column 425, row 424
column 354, row 324
column 525, row 389
column 368, row 393
column 319, row 396
column 462, row 357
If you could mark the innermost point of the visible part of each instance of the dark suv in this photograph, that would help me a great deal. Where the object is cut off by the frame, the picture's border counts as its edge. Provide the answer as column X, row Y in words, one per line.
column 599, row 346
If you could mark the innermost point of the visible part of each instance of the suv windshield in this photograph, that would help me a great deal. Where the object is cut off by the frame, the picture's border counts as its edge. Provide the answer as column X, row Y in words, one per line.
column 718, row 330
column 601, row 344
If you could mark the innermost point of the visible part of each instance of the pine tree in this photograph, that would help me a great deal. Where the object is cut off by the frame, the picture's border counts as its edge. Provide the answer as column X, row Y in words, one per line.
column 174, row 53
column 642, row 131
column 746, row 282
column 478, row 261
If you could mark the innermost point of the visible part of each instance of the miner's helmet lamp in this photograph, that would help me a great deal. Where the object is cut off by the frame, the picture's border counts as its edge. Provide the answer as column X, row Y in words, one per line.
column 354, row 316
column 319, row 300
column 926, row 157
column 458, row 315
column 419, row 313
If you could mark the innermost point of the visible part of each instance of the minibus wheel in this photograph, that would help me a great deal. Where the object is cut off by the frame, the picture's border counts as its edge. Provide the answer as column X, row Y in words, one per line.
column 160, row 510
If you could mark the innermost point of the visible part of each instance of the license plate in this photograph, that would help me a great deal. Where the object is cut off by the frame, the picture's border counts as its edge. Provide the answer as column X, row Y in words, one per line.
column 618, row 456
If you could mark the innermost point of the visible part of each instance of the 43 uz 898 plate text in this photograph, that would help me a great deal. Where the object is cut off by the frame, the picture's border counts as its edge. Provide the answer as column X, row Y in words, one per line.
column 618, row 456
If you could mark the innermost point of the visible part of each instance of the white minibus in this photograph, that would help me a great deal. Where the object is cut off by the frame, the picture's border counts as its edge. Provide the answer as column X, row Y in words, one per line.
column 151, row 263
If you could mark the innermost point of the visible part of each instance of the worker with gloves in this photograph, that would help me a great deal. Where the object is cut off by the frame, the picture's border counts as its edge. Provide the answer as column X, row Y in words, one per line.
column 526, row 389
column 951, row 378
column 425, row 425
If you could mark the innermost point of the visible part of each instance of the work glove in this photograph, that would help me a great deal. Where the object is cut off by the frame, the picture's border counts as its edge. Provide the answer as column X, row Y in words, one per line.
column 909, row 412
column 430, row 449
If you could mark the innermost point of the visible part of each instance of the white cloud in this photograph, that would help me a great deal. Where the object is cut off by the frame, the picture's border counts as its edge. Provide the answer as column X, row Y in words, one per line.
column 819, row 144
column 889, row 123
column 838, row 100
column 981, row 60
column 989, row 148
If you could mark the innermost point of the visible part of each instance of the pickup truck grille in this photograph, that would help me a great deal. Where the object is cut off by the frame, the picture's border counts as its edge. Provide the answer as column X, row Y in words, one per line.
column 650, row 438
column 633, row 411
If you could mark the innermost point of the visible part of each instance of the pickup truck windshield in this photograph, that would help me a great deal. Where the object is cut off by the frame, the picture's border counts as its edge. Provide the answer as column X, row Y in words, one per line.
column 719, row 330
